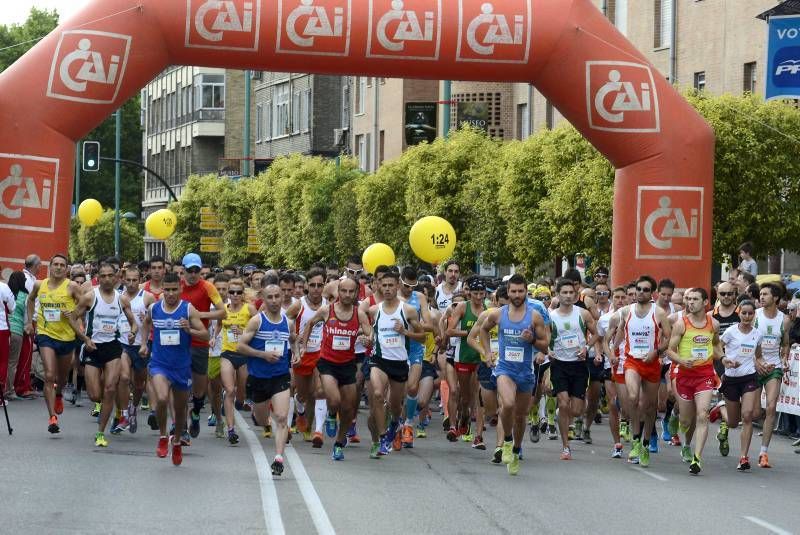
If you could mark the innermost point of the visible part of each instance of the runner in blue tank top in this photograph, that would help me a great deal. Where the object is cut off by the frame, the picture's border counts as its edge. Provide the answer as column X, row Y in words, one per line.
column 266, row 342
column 521, row 331
column 174, row 323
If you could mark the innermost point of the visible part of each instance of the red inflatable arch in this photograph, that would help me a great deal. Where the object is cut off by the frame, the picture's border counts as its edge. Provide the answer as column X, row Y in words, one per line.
column 95, row 61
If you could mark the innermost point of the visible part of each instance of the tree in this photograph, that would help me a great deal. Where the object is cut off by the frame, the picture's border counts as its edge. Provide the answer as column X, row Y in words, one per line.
column 17, row 39
column 199, row 192
column 95, row 242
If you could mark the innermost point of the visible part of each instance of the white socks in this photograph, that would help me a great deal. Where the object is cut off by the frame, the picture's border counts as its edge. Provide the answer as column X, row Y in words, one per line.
column 320, row 412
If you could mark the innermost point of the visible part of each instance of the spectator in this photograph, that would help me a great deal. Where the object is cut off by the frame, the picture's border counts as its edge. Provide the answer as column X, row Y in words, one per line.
column 747, row 264
column 743, row 280
column 7, row 306
column 16, row 284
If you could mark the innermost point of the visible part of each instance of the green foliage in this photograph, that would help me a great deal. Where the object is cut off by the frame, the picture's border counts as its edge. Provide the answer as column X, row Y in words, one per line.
column 381, row 208
column 92, row 243
column 23, row 37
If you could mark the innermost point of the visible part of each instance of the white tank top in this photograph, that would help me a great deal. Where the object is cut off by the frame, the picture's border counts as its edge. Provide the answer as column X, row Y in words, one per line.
column 390, row 345
column 641, row 334
column 771, row 330
column 138, row 310
column 306, row 313
column 741, row 347
column 569, row 335
column 103, row 318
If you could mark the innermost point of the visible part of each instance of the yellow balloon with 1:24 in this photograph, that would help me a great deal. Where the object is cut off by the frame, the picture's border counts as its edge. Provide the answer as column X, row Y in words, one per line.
column 433, row 239
column 89, row 212
column 161, row 224
column 377, row 254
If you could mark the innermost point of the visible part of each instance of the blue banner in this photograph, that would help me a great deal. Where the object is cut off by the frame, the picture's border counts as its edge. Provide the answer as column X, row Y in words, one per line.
column 783, row 58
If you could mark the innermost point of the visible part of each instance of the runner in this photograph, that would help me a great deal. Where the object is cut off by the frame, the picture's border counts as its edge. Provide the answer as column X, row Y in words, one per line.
column 774, row 328
column 726, row 314
column 597, row 366
column 606, row 330
column 429, row 376
column 215, row 332
column 175, row 324
column 266, row 342
column 342, row 322
column 573, row 332
column 521, row 331
column 232, row 364
column 644, row 329
column 56, row 296
column 739, row 384
column 353, row 270
column 100, row 310
column 132, row 363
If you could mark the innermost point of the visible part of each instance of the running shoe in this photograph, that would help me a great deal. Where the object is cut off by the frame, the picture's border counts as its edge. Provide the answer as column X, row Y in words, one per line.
column 696, row 465
column 77, row 399
column 132, row 420
column 95, row 412
column 351, row 431
column 100, row 440
column 374, row 451
column 587, row 436
column 421, row 433
column 233, row 438
column 177, row 454
column 466, row 434
column 686, row 454
column 267, row 432
column 446, row 423
column 307, row 436
column 69, row 393
column 513, row 466
column 763, row 461
column 212, row 420
column 598, row 418
column 407, row 435
column 577, row 428
column 676, row 440
column 219, row 431
column 508, row 452
column 302, row 423
column 566, row 454
column 633, row 455
column 122, row 425
column 543, row 425
column 59, row 406
column 385, row 446
column 194, row 425
column 114, row 422
column 277, row 466
column 716, row 412
column 724, row 447
column 152, row 420
column 145, row 403
column 397, row 442
column 571, row 432
column 497, row 457
column 354, row 439
column 338, row 453
column 624, row 431
column 653, row 447
column 744, row 464
column 330, row 426
column 52, row 425
column 163, row 447
column 666, row 435
column 478, row 443
column 186, row 439
column 644, row 456
column 552, row 434
column 316, row 442
column 796, row 443
column 617, row 452
column 452, row 434
column 533, row 433
column 673, row 425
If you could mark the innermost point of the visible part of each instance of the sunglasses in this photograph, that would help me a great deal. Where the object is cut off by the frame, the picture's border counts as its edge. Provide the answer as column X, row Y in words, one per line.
column 543, row 298
column 727, row 294
column 235, row 292
column 598, row 275
column 603, row 293
column 193, row 270
column 645, row 289
column 354, row 271
column 407, row 285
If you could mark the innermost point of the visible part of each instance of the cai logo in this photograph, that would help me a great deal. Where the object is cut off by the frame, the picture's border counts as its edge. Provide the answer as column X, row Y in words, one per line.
column 28, row 192
column 621, row 97
column 309, row 27
column 496, row 32
column 787, row 67
column 404, row 29
column 89, row 66
column 669, row 222
column 223, row 24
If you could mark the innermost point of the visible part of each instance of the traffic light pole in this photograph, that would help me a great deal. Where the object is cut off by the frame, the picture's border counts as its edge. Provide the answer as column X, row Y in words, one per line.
column 118, row 141
column 143, row 168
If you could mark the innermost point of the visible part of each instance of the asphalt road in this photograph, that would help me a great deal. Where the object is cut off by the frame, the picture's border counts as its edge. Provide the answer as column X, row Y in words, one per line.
column 63, row 484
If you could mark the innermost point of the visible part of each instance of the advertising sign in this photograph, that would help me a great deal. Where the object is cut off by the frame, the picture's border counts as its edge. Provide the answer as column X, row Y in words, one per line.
column 783, row 58
column 420, row 122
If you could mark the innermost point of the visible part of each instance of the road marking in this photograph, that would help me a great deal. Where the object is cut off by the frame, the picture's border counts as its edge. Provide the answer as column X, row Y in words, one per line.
column 310, row 496
column 269, row 496
column 649, row 473
column 766, row 525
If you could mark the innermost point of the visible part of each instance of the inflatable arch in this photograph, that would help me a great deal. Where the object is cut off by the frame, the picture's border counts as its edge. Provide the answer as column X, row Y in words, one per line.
column 79, row 74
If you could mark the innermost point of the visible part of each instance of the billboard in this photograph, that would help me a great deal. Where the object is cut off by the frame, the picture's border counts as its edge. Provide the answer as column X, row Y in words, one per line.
column 476, row 114
column 420, row 122
column 783, row 58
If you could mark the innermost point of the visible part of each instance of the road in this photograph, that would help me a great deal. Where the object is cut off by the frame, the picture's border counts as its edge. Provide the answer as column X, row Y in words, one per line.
column 63, row 484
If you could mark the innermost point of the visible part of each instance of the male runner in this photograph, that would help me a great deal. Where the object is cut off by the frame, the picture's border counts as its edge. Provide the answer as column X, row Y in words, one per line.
column 57, row 297
column 100, row 310
column 774, row 362
column 341, row 322
column 521, row 331
column 607, row 331
column 353, row 270
column 726, row 314
column 132, row 364
column 693, row 346
column 175, row 324
column 266, row 342
column 215, row 389
column 597, row 366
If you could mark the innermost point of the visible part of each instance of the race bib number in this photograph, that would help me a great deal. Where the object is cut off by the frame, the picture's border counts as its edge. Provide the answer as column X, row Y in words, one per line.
column 340, row 343
column 570, row 341
column 232, row 336
column 494, row 344
column 109, row 326
column 747, row 350
column 170, row 337
column 770, row 341
column 514, row 354
column 640, row 348
column 699, row 354
column 392, row 341
column 51, row 314
column 315, row 338
column 275, row 346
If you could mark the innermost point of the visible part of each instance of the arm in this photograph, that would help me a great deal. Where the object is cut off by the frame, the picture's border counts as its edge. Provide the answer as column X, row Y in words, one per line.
column 595, row 340
column 194, row 326
column 294, row 310
column 318, row 317
column 785, row 345
column 366, row 327
column 719, row 352
column 674, row 342
column 220, row 312
column 608, row 341
column 29, row 307
column 619, row 332
column 125, row 303
column 425, row 312
column 488, row 323
column 663, row 341
column 452, row 322
column 293, row 342
column 417, row 332
column 542, row 342
column 147, row 323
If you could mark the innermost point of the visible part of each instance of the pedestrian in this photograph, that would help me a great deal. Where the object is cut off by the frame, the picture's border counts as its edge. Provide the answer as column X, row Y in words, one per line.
column 16, row 284
column 748, row 264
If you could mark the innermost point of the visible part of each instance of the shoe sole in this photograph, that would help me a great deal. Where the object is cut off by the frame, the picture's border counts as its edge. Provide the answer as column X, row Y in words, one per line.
column 277, row 469
column 53, row 428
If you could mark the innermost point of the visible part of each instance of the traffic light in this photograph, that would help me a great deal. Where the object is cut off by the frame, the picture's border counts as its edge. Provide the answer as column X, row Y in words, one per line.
column 91, row 156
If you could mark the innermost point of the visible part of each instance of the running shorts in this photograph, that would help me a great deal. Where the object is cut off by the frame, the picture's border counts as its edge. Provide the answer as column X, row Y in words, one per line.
column 262, row 389
column 307, row 364
column 485, row 377
column 345, row 374
column 104, row 354
column 214, row 367
column 61, row 348
column 648, row 371
column 199, row 360
column 236, row 360
column 776, row 374
column 396, row 370
column 429, row 370
column 691, row 384
column 733, row 388
column 138, row 362
column 179, row 379
column 569, row 377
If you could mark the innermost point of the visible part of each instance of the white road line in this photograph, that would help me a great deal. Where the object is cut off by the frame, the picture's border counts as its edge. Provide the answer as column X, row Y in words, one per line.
column 766, row 525
column 649, row 473
column 314, row 504
column 269, row 496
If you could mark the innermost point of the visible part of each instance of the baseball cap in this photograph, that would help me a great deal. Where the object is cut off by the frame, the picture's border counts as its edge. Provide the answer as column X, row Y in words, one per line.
column 192, row 260
column 476, row 285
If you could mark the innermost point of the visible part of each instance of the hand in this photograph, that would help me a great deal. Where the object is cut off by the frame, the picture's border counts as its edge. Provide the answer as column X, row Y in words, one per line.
column 398, row 326
column 438, row 340
column 687, row 363
column 131, row 337
column 650, row 357
column 28, row 328
column 761, row 367
column 90, row 346
column 614, row 361
column 68, row 314
column 295, row 358
column 598, row 360
column 301, row 350
column 144, row 351
column 185, row 325
column 236, row 330
column 490, row 362
column 728, row 363
column 583, row 353
column 539, row 358
column 528, row 336
column 363, row 340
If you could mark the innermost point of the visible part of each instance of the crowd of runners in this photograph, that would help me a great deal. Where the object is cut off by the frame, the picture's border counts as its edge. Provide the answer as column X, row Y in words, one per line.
column 501, row 359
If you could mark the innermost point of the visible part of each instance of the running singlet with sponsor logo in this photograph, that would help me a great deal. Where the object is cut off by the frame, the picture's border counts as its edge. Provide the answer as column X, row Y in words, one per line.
column 390, row 344
column 641, row 334
column 339, row 337
column 138, row 310
column 443, row 298
column 234, row 319
column 305, row 314
column 741, row 348
column 52, row 304
column 274, row 338
column 771, row 330
column 568, row 335
column 514, row 352
column 697, row 346
column 171, row 344
column 102, row 321
column 464, row 353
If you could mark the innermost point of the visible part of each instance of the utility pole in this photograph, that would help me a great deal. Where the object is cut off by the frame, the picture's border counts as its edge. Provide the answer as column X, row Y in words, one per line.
column 77, row 174
column 448, row 96
column 118, row 140
column 245, row 170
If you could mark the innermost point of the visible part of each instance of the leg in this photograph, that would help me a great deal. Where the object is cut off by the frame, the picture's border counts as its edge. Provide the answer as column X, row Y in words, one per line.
column 379, row 381
column 397, row 391
column 347, row 394
column 464, row 398
column 50, row 363
column 633, row 384
column 64, row 366
column 412, row 392
column 94, row 386
column 489, row 398
column 228, row 375
column 280, row 417
column 110, row 379
column 564, row 416
column 160, row 386
column 613, row 412
column 772, row 388
column 650, row 405
column 180, row 399
column 520, row 407
column 330, row 387
column 702, row 401
column 14, row 349
column 687, row 417
column 592, row 402
column 124, row 383
column 749, row 399
column 452, row 394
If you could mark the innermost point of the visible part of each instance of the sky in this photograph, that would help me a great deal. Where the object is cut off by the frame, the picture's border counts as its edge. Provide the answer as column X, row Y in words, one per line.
column 16, row 11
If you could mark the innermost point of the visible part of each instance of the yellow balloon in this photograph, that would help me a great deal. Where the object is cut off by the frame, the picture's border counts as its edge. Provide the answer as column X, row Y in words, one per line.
column 377, row 254
column 433, row 239
column 161, row 224
column 89, row 212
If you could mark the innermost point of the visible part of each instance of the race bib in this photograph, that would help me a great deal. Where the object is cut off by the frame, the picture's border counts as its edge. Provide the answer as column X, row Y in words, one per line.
column 747, row 350
column 640, row 349
column 392, row 341
column 699, row 354
column 52, row 315
column 770, row 341
column 514, row 354
column 340, row 343
column 124, row 327
column 570, row 341
column 274, row 346
column 315, row 338
column 232, row 336
column 170, row 337
column 494, row 344
column 109, row 326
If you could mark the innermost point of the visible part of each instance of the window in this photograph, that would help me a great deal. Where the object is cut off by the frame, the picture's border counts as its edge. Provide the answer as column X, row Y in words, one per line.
column 620, row 19
column 750, row 73
column 296, row 111
column 700, row 80
column 209, row 91
column 305, row 110
column 280, row 110
column 662, row 35
column 362, row 151
column 361, row 94
column 268, row 120
column 259, row 123
column 523, row 130
column 346, row 94
column 548, row 115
